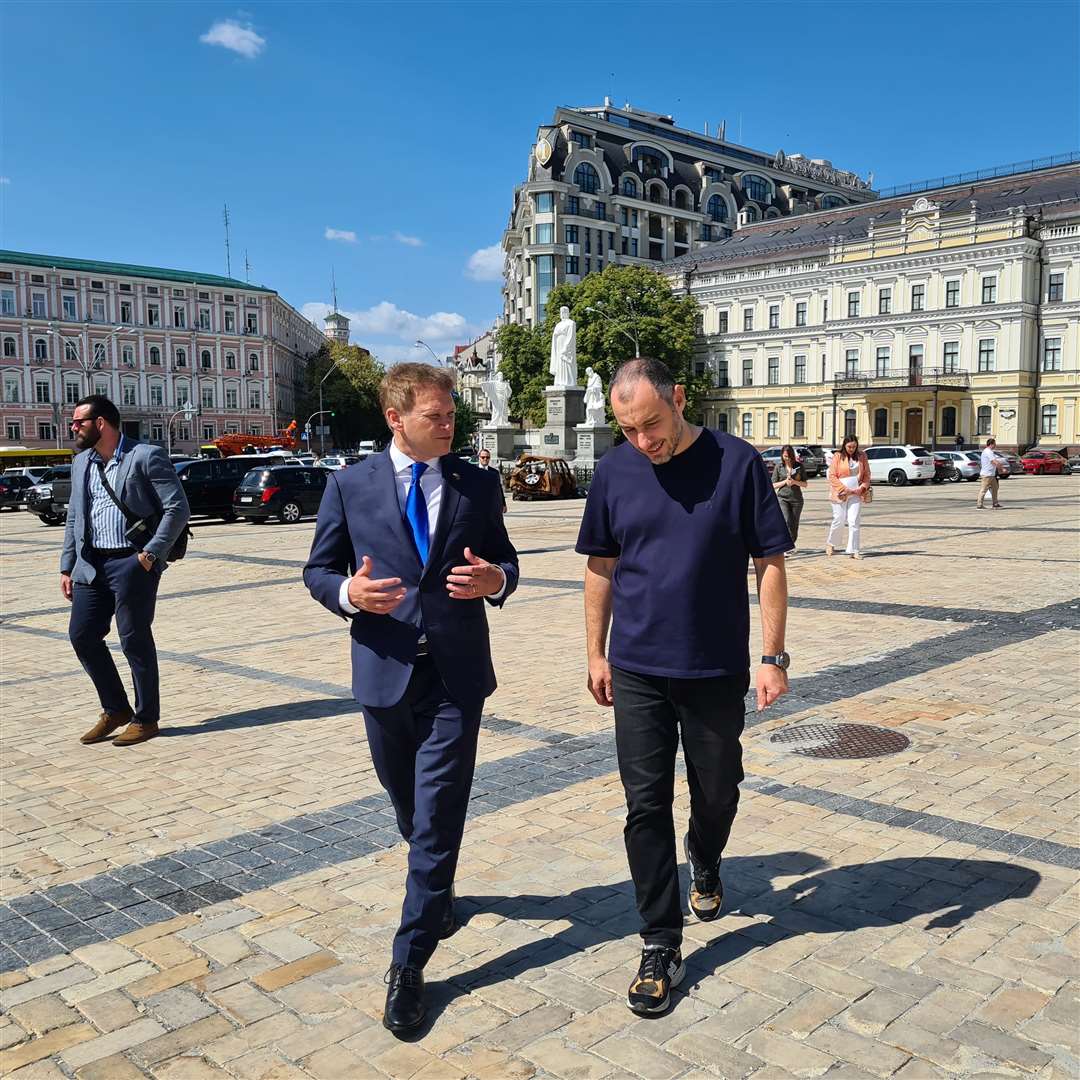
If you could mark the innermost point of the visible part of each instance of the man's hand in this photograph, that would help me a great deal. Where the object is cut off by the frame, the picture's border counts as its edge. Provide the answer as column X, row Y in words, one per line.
column 600, row 681
column 379, row 596
column 145, row 561
column 477, row 578
column 772, row 684
column 65, row 586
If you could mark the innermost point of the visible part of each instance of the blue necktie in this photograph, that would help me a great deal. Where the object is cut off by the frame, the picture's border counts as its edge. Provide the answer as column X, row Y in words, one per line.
column 416, row 511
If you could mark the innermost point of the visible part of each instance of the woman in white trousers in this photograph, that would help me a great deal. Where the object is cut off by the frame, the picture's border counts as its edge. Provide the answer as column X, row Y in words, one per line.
column 849, row 488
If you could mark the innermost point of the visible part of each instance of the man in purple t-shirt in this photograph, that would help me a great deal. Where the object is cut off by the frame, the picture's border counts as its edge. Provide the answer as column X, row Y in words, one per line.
column 673, row 516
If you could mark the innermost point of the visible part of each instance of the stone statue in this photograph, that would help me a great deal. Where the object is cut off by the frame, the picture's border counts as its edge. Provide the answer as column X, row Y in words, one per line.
column 563, row 366
column 594, row 399
column 497, row 390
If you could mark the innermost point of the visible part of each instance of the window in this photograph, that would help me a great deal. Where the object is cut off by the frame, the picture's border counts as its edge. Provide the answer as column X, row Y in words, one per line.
column 72, row 391
column 800, row 369
column 208, row 432
column 989, row 290
column 125, row 311
column 179, row 292
column 99, row 353
column 183, row 394
column 204, row 318
column 179, row 318
column 849, row 423
column 41, row 349
column 722, row 378
column 71, row 312
column 748, row 319
column 206, row 394
column 11, row 387
column 572, row 264
column 253, row 361
column 1051, row 354
column 774, row 316
column 9, row 347
column 950, row 357
column 852, row 305
column 254, row 397
column 230, row 361
column 881, row 423
column 71, row 352
column 851, row 363
column 774, row 370
column 230, row 322
column 952, row 293
column 587, row 178
column 882, row 360
column 884, row 301
column 982, row 420
column 652, row 162
column 206, row 360
column 721, row 423
column 716, row 208
column 601, row 211
column 573, row 204
column 1056, row 288
column 155, row 356
column 571, row 233
column 14, row 431
column 800, row 313
column 127, row 354
column 721, row 322
column 130, row 392
column 97, row 308
column 747, row 425
column 545, row 280
column 824, row 311
column 705, row 235
column 756, row 188
column 157, row 431
column 579, row 138
column 253, row 320
column 37, row 305
column 1049, row 420
column 831, row 202
column 157, row 395
column 545, row 202
column 948, row 420
column 42, row 391
column 46, row 431
column 545, row 233
column 153, row 315
column 232, row 397
column 773, row 426
column 629, row 187
column 748, row 372
column 986, row 354
column 798, row 431
column 68, row 281
column 180, row 357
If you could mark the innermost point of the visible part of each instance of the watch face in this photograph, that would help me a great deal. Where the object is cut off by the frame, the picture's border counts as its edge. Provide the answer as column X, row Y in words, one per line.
column 783, row 659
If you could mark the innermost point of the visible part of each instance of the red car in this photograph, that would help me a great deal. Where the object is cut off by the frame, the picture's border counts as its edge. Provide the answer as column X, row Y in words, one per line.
column 1039, row 462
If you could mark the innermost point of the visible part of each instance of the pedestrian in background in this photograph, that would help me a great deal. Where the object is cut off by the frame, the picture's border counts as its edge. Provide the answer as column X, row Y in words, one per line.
column 788, row 481
column 849, row 488
column 990, row 468
column 484, row 457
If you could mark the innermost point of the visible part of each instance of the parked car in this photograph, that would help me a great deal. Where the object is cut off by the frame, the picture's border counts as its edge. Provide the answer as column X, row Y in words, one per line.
column 35, row 472
column 209, row 484
column 962, row 464
column 900, row 465
column 364, row 448
column 538, row 477
column 333, row 462
column 942, row 469
column 1016, row 466
column 1041, row 462
column 1074, row 462
column 286, row 492
column 49, row 498
column 13, row 491
column 818, row 454
column 810, row 462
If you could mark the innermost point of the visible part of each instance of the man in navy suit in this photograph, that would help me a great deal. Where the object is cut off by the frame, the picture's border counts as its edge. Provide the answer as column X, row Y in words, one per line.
column 408, row 545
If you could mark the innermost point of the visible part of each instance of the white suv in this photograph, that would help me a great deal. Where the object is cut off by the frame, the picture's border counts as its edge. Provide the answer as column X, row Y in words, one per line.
column 900, row 464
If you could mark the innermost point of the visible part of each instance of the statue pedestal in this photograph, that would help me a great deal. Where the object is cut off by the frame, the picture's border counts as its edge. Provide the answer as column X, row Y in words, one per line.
column 592, row 443
column 499, row 441
column 565, row 410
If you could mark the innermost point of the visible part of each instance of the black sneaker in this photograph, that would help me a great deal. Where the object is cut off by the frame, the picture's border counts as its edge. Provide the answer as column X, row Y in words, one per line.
column 660, row 969
column 705, row 896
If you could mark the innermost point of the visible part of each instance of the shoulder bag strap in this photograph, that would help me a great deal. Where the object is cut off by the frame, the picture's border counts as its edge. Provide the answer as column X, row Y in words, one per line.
column 129, row 516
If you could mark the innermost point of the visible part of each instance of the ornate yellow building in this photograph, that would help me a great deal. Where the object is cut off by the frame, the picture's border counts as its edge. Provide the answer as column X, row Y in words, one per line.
column 912, row 319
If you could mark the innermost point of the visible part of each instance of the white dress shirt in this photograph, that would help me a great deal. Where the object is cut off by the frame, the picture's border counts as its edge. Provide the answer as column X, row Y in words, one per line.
column 431, row 484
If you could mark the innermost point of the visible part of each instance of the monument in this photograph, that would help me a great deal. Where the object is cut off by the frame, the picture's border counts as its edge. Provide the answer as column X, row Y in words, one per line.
column 565, row 400
column 497, row 435
column 594, row 437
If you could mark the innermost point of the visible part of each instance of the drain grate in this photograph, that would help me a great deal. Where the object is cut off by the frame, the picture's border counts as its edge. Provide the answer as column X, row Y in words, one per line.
column 840, row 740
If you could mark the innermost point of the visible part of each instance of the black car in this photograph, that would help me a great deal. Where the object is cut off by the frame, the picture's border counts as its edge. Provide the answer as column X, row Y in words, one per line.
column 13, row 491
column 209, row 484
column 49, row 497
column 283, row 491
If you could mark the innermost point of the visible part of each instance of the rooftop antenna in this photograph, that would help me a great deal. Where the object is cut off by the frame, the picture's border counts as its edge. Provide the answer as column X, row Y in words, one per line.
column 247, row 267
column 333, row 288
column 228, row 256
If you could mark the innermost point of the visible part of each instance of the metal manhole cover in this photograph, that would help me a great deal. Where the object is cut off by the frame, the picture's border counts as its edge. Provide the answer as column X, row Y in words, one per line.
column 840, row 740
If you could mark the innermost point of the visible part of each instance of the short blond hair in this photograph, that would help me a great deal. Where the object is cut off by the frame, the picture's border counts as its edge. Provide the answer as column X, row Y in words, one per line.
column 399, row 385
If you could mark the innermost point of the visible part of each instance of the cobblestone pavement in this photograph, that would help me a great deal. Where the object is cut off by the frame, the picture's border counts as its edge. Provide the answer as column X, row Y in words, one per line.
column 221, row 901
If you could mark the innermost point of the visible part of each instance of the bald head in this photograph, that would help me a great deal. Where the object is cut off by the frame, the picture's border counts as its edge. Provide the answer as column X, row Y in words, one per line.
column 655, row 372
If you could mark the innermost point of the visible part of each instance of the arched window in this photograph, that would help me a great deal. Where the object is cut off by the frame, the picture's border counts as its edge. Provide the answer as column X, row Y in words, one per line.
column 41, row 349
column 682, row 202
column 587, row 178
column 253, row 361
column 230, row 360
column 1049, row 420
column 749, row 213
column 849, row 423
column 717, row 208
column 983, row 419
column 155, row 356
column 9, row 346
column 181, row 358
column 652, row 161
column 830, row 202
column 657, row 194
column 948, row 420
column 756, row 188
column 881, row 423
column 773, row 429
column 629, row 187
column 747, row 425
column 798, row 430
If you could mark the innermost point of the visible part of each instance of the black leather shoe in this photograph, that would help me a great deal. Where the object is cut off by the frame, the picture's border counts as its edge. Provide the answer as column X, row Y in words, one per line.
column 450, row 925
column 404, row 1010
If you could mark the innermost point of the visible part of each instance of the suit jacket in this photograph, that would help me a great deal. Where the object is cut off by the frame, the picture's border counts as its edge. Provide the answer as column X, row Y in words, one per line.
column 360, row 515
column 148, row 485
column 839, row 468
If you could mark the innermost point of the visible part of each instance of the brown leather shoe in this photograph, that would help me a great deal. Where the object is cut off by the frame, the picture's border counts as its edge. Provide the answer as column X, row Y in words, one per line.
column 107, row 723
column 135, row 733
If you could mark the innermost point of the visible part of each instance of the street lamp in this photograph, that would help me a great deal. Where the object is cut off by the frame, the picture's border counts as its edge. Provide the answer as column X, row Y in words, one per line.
column 85, row 365
column 188, row 409
column 322, row 438
column 430, row 350
column 598, row 309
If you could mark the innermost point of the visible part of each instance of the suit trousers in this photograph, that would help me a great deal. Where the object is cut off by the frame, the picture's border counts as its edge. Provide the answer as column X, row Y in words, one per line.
column 650, row 713
column 122, row 588
column 424, row 752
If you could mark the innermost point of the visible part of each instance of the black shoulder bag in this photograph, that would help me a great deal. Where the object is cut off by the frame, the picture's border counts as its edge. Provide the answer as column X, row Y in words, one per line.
column 139, row 530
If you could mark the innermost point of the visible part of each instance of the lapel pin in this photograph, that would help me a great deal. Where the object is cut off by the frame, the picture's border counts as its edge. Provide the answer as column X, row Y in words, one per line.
column 456, row 476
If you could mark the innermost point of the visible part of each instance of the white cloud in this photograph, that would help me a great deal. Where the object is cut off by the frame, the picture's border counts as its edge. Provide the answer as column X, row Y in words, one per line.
column 486, row 264
column 5, row 179
column 408, row 241
column 236, row 37
column 387, row 320
column 346, row 236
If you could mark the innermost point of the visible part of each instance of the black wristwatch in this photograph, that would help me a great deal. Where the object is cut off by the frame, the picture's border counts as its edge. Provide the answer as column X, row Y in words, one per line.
column 150, row 555
column 782, row 660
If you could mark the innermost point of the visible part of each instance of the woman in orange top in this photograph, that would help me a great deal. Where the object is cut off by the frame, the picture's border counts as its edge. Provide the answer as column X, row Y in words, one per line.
column 849, row 488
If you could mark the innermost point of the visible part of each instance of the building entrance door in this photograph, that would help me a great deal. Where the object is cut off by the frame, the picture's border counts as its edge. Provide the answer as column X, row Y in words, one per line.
column 913, row 429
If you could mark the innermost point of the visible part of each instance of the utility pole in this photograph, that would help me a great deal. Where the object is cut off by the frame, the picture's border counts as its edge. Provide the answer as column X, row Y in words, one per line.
column 228, row 255
column 247, row 267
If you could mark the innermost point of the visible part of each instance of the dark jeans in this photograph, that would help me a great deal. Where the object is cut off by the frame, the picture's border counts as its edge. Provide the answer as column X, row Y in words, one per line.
column 792, row 511
column 650, row 713
column 124, row 589
column 424, row 752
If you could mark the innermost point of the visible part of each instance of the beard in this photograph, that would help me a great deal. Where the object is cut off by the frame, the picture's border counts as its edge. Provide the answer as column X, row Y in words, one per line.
column 672, row 448
column 87, row 437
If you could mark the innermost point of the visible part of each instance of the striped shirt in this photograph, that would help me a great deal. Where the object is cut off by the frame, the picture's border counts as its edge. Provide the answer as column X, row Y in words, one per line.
column 107, row 521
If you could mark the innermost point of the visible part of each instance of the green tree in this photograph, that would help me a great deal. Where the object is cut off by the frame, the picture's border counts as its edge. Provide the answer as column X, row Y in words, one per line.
column 351, row 393
column 465, row 424
column 524, row 364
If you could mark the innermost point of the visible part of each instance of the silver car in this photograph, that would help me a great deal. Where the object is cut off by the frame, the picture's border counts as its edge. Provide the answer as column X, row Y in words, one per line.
column 965, row 464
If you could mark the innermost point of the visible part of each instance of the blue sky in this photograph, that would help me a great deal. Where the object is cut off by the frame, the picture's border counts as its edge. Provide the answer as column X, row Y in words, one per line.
column 402, row 128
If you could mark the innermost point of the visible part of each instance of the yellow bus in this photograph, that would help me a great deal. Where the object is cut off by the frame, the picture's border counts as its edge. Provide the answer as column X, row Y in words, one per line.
column 18, row 457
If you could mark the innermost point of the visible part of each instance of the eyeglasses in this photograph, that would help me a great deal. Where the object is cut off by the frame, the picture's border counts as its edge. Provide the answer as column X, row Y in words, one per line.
column 85, row 420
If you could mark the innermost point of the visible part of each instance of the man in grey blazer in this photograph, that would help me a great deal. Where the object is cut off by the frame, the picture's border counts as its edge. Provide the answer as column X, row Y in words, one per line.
column 104, row 573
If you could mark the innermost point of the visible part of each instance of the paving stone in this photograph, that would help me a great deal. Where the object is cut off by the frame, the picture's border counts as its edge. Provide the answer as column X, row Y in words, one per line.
column 53, row 1043
column 165, row 980
column 875, row 1057
column 47, row 984
column 553, row 1055
column 796, row 1057
column 871, row 1014
column 298, row 969
column 181, row 1040
column 308, row 1039
column 105, row 957
column 113, row 1043
column 109, row 1011
column 116, row 1067
column 43, row 1014
column 702, row 1048
column 243, row 1002
column 999, row 1045
column 638, row 1057
column 188, row 1068
column 177, row 1007
column 124, row 976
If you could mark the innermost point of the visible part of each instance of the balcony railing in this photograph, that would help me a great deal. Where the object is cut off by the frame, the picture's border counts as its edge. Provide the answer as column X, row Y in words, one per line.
column 896, row 378
column 982, row 174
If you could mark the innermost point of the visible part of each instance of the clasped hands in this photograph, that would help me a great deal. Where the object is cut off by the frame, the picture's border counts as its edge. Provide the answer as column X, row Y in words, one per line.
column 380, row 596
